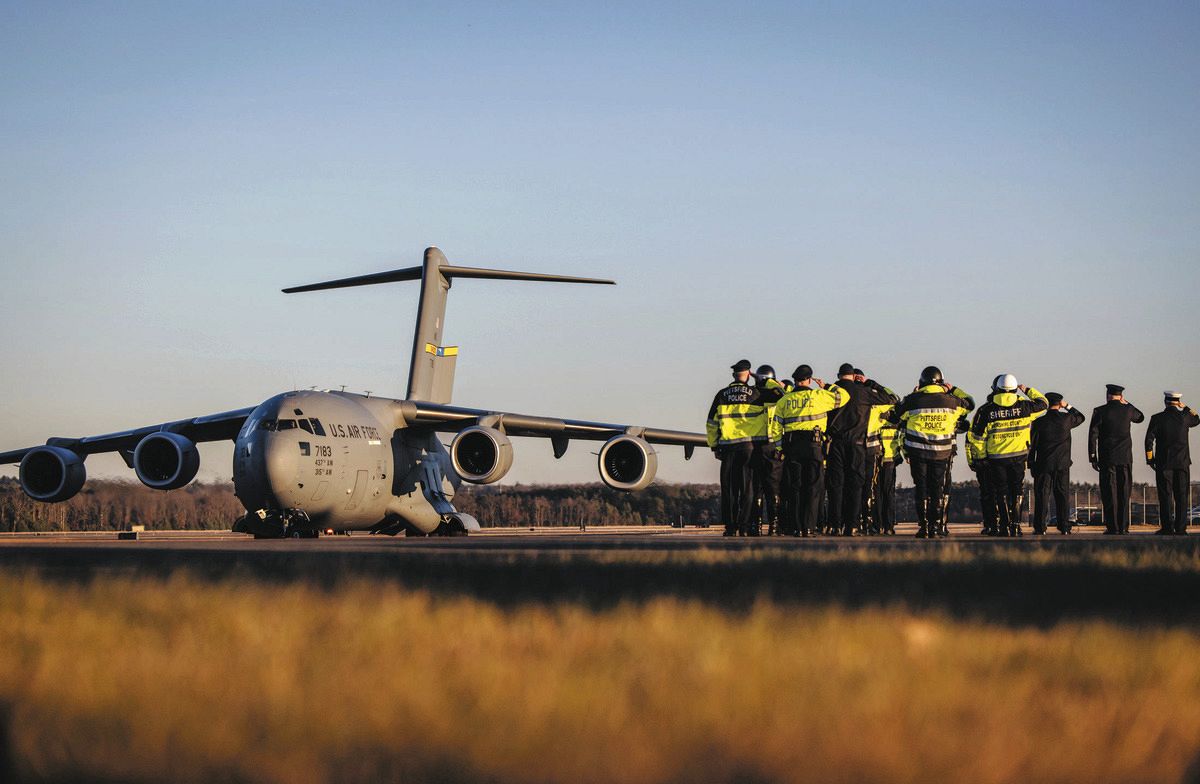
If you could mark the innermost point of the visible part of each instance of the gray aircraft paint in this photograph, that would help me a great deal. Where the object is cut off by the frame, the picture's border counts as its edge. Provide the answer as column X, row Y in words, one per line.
column 308, row 461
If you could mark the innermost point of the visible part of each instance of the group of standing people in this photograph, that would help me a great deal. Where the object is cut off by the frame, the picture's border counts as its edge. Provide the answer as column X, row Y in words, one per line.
column 807, row 457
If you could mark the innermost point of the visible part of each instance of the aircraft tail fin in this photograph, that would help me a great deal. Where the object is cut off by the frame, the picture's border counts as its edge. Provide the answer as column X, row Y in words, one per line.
column 431, row 370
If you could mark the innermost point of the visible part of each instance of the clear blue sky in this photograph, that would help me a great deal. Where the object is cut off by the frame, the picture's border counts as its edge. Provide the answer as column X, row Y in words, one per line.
column 989, row 187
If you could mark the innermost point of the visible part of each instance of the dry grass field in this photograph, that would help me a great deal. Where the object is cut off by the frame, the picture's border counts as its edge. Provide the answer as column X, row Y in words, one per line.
column 176, row 678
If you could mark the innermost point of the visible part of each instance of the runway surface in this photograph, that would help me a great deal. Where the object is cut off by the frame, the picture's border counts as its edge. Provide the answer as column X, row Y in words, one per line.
column 1031, row 580
column 552, row 538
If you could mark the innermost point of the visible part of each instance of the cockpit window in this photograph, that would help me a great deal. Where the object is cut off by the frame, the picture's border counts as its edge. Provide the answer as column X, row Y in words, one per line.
column 307, row 425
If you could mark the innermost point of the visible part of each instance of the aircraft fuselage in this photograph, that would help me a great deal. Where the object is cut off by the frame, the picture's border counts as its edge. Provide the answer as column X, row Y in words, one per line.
column 346, row 462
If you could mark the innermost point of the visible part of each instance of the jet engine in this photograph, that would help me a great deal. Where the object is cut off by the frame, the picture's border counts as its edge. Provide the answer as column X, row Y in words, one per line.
column 627, row 463
column 166, row 461
column 51, row 473
column 481, row 455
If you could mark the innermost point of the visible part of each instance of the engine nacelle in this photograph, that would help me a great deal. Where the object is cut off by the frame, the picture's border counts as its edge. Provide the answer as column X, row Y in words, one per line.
column 481, row 455
column 51, row 473
column 166, row 461
column 628, row 463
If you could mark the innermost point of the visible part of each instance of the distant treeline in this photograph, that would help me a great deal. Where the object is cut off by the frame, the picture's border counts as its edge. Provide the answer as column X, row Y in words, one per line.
column 112, row 505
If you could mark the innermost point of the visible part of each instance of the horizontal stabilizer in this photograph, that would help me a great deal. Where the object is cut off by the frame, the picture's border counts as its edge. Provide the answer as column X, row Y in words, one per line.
column 493, row 274
column 449, row 272
column 431, row 374
column 391, row 276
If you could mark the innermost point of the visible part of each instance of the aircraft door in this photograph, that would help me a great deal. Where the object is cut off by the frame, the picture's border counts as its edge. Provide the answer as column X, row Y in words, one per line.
column 360, row 489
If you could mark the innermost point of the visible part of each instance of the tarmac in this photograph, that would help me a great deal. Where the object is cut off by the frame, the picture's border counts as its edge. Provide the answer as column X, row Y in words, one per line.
column 557, row 537
column 1028, row 580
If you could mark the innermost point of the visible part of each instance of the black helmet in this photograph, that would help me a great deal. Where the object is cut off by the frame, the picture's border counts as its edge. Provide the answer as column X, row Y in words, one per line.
column 764, row 371
column 931, row 375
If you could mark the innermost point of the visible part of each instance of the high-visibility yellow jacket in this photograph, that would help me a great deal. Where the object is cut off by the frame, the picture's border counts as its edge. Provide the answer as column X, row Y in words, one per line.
column 976, row 450
column 1003, row 423
column 892, row 440
column 738, row 415
column 929, row 419
column 775, row 391
column 876, row 421
column 806, row 408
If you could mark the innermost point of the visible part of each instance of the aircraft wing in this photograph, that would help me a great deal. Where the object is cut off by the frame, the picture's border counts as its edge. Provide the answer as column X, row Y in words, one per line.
column 215, row 427
column 451, row 419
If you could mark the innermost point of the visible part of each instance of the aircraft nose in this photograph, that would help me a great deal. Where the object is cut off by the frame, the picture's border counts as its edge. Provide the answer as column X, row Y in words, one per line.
column 281, row 455
column 250, row 476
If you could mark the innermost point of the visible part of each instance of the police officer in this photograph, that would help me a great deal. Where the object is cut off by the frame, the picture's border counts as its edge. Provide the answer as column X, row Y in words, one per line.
column 1050, row 461
column 1003, row 424
column 891, row 443
column 767, row 467
column 1168, row 453
column 847, row 458
column 874, row 463
column 798, row 426
column 977, row 462
column 1110, row 450
column 930, row 419
column 737, row 420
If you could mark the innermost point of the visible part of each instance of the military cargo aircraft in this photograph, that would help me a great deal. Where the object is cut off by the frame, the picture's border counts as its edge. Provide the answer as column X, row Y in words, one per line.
column 308, row 461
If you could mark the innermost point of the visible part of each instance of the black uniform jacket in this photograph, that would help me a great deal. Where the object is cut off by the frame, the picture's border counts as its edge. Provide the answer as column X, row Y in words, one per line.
column 1167, row 437
column 1050, row 440
column 1108, row 437
column 852, row 419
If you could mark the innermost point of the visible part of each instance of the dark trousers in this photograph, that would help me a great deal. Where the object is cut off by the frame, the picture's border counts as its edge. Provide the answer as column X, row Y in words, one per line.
column 1049, row 484
column 768, row 476
column 802, row 480
column 1008, row 485
column 987, row 497
column 1173, row 499
column 845, row 474
column 1115, row 484
column 737, row 492
column 870, row 487
column 929, row 484
column 885, row 497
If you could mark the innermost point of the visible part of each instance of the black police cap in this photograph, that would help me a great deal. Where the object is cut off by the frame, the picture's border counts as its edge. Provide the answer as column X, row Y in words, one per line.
column 802, row 373
column 1053, row 398
column 1114, row 389
column 740, row 365
column 846, row 369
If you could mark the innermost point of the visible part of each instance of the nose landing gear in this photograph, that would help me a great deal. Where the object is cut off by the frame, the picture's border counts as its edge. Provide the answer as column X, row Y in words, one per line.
column 277, row 524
